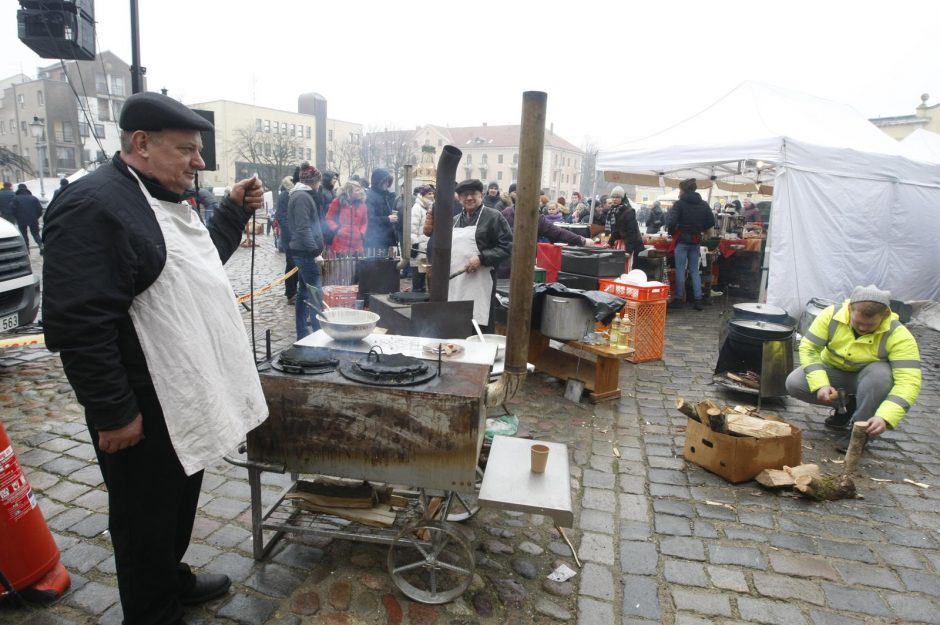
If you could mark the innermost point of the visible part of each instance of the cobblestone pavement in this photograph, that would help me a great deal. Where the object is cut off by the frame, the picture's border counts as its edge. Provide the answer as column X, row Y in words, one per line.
column 661, row 540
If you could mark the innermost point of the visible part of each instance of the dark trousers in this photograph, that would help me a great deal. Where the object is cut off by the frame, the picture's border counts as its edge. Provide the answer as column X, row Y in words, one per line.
column 152, row 506
column 290, row 285
column 33, row 227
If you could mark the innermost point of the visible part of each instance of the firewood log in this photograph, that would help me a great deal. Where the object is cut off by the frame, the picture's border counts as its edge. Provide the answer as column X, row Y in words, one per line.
column 825, row 487
column 687, row 409
column 856, row 443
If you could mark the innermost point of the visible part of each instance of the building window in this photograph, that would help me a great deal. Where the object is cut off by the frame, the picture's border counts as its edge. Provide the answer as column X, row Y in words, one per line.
column 308, row 149
column 83, row 132
column 99, row 131
column 101, row 85
column 469, row 160
column 329, row 155
column 499, row 159
column 515, row 159
column 117, row 106
column 308, row 136
column 329, row 135
column 12, row 126
column 104, row 110
column 267, row 125
column 499, row 175
column 65, row 158
column 257, row 124
column 39, row 98
column 68, row 133
column 293, row 130
column 300, row 130
column 23, row 127
column 267, row 149
column 22, row 100
column 117, row 85
column 484, row 159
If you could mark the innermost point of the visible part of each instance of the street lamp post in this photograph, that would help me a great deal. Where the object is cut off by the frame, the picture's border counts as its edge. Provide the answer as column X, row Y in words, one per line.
column 35, row 128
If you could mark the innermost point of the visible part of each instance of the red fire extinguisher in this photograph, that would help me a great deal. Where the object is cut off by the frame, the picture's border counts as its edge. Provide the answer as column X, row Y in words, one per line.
column 28, row 552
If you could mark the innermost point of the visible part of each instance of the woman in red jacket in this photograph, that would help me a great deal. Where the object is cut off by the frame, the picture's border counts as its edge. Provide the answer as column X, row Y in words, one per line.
column 348, row 218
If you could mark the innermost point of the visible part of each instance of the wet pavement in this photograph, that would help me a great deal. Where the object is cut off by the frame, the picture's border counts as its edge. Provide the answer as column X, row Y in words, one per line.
column 661, row 540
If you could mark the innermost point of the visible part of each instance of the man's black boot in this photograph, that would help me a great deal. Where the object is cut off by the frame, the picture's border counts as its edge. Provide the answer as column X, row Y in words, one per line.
column 837, row 420
column 697, row 304
column 206, row 586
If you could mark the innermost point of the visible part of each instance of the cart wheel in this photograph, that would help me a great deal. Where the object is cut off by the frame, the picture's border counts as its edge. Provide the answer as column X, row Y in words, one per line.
column 462, row 506
column 431, row 562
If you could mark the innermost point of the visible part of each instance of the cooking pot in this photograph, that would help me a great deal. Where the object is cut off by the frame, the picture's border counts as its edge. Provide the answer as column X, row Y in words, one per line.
column 813, row 307
column 566, row 318
column 760, row 312
column 755, row 331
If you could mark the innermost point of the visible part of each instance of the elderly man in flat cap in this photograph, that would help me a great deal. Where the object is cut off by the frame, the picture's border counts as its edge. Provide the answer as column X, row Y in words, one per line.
column 858, row 353
column 140, row 309
column 482, row 239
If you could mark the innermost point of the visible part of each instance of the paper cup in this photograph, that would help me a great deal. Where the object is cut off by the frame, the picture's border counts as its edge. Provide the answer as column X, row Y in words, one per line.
column 539, row 458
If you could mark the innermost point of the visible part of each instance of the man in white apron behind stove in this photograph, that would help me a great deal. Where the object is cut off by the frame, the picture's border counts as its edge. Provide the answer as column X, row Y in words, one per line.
column 482, row 239
column 138, row 305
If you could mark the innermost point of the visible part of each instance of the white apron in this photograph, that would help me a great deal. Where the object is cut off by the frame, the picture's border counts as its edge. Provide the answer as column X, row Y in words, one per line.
column 476, row 286
column 195, row 344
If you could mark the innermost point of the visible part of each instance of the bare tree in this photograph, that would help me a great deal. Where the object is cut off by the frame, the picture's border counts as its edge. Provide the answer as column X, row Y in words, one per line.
column 10, row 161
column 390, row 149
column 272, row 155
column 588, row 168
column 346, row 158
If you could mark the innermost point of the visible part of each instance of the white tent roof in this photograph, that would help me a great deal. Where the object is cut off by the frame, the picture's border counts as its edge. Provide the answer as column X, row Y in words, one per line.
column 850, row 205
column 922, row 145
column 751, row 123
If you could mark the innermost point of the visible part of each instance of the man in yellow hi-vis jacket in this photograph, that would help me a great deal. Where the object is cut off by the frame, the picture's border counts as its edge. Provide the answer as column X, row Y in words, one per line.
column 861, row 347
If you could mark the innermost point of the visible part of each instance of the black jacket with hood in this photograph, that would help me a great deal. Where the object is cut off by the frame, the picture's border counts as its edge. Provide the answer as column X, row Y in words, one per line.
column 692, row 216
column 380, row 233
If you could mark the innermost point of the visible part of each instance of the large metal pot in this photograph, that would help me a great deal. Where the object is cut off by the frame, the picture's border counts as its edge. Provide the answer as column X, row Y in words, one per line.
column 566, row 318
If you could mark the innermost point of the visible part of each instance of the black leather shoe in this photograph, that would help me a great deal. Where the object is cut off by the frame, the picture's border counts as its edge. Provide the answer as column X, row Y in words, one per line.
column 206, row 587
column 674, row 304
column 837, row 421
column 697, row 305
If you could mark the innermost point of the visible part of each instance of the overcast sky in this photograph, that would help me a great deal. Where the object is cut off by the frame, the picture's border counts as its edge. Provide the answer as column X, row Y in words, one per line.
column 613, row 70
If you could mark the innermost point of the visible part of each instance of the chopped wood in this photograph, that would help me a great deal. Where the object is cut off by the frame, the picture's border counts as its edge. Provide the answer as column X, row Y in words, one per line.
column 920, row 484
column 744, row 425
column 616, row 451
column 387, row 496
column 687, row 409
column 719, row 504
column 751, row 410
column 335, row 494
column 379, row 516
column 741, row 379
column 780, row 478
column 879, row 479
column 825, row 487
column 716, row 420
column 856, row 444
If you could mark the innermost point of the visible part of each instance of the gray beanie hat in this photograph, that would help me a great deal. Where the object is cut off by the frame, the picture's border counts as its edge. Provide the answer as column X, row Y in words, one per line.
column 617, row 192
column 871, row 293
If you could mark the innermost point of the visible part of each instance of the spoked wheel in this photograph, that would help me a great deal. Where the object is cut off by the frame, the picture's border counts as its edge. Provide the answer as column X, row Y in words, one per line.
column 462, row 506
column 431, row 562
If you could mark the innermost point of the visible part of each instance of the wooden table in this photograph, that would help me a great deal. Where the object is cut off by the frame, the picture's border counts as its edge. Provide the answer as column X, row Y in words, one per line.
column 601, row 377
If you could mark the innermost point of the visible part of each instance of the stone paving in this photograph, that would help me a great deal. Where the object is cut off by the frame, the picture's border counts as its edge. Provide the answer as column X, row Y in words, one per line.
column 661, row 540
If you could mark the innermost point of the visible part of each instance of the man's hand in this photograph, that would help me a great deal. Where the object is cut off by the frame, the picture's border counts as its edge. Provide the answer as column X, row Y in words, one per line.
column 473, row 264
column 827, row 395
column 876, row 426
column 248, row 193
column 110, row 441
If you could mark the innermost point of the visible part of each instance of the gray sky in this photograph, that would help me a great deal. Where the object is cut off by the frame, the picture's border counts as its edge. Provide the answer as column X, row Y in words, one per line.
column 613, row 71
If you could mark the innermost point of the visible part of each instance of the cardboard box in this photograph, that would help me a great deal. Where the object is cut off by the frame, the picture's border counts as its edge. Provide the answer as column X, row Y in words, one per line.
column 740, row 458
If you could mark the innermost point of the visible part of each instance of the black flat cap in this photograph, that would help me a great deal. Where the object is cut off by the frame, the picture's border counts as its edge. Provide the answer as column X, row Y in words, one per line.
column 155, row 111
column 472, row 184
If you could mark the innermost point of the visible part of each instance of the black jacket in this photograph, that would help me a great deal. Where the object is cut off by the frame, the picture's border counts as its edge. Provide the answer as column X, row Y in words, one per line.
column 493, row 235
column 6, row 204
column 692, row 216
column 626, row 228
column 103, row 248
column 27, row 209
column 380, row 231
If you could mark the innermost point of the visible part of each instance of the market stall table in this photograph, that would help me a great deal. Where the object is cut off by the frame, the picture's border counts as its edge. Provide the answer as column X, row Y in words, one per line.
column 601, row 377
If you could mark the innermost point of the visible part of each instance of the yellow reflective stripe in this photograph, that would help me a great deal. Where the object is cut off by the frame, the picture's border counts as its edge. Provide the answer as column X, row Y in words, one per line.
column 833, row 324
column 883, row 345
column 905, row 364
column 812, row 338
column 900, row 401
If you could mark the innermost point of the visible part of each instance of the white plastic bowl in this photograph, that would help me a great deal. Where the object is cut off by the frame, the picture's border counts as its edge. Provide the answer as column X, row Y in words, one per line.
column 492, row 339
column 348, row 324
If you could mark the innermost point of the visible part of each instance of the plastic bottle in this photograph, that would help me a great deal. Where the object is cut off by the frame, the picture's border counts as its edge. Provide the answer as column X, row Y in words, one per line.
column 615, row 332
column 625, row 330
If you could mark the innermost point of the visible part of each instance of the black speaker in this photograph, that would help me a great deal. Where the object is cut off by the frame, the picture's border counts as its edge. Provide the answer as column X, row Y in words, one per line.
column 58, row 30
column 208, row 140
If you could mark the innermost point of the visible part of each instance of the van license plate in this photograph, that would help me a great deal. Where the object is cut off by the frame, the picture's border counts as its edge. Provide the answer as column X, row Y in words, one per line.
column 9, row 322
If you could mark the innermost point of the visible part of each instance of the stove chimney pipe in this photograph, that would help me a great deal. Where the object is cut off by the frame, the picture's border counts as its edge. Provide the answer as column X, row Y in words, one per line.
column 524, row 245
column 406, row 204
column 443, row 222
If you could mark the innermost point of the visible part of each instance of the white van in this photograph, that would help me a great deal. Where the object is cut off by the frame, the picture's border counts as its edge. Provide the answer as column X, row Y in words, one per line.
column 19, row 287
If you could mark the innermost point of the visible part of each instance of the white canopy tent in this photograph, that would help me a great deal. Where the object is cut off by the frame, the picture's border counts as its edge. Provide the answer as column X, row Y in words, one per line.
column 922, row 145
column 848, row 207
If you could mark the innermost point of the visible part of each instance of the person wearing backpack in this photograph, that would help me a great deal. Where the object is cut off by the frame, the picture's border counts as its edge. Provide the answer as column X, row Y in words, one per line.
column 687, row 221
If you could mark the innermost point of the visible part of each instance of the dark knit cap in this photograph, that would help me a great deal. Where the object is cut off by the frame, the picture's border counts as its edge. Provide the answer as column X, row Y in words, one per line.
column 472, row 184
column 309, row 174
column 512, row 188
column 155, row 111
column 492, row 185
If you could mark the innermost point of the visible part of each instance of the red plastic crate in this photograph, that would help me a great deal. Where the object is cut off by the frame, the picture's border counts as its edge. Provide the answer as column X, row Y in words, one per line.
column 337, row 296
column 634, row 292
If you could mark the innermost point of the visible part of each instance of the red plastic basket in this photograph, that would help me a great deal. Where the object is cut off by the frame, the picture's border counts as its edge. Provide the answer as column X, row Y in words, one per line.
column 634, row 292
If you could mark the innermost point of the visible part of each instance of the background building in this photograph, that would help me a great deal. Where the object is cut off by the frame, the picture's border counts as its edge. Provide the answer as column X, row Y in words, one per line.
column 490, row 153
column 926, row 117
column 79, row 102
